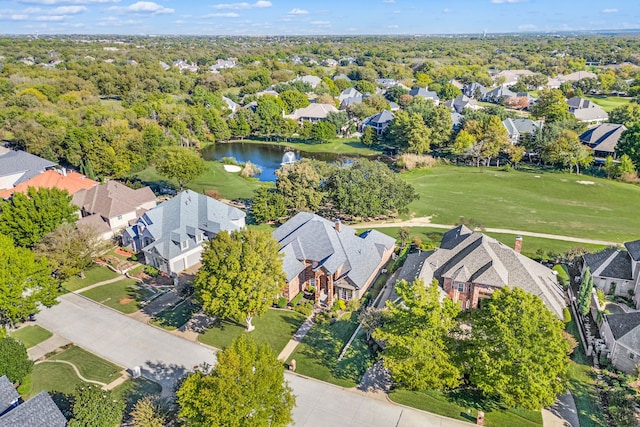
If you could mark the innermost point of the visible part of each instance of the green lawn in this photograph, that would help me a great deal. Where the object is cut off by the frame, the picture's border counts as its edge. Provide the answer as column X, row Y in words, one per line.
column 90, row 366
column 124, row 295
column 347, row 146
column 533, row 247
column 464, row 405
column 95, row 274
column 275, row 328
column 538, row 201
column 317, row 355
column 133, row 390
column 31, row 335
column 229, row 185
column 53, row 377
column 174, row 317
column 608, row 103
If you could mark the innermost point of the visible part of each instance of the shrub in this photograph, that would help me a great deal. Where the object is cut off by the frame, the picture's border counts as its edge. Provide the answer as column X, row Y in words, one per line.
column 342, row 305
column 566, row 314
column 134, row 257
column 410, row 161
column 296, row 300
column 214, row 194
column 229, row 161
column 151, row 270
column 303, row 309
column 311, row 289
column 249, row 170
column 281, row 302
column 353, row 305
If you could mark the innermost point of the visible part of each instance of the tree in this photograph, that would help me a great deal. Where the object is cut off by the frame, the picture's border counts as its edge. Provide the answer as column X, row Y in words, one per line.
column 25, row 283
column 293, row 100
column 516, row 352
column 369, row 136
column 371, row 319
column 629, row 144
column 28, row 217
column 300, row 185
column 625, row 168
column 408, row 132
column 245, row 389
column 14, row 360
column 70, row 250
column 403, row 235
column 610, row 167
column 567, row 150
column 150, row 411
column 449, row 91
column 584, row 295
column 386, row 193
column 417, row 338
column 268, row 205
column 551, row 105
column 322, row 132
column 625, row 114
column 364, row 86
column 94, row 407
column 241, row 274
column 180, row 164
column 338, row 119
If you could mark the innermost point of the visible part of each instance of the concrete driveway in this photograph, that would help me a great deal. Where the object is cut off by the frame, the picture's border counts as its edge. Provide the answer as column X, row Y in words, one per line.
column 164, row 358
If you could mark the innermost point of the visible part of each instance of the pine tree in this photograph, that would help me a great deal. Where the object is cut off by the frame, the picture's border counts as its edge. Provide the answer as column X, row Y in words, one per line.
column 584, row 295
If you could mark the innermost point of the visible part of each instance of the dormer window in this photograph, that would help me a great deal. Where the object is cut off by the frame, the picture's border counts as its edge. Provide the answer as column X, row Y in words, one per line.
column 184, row 244
column 199, row 238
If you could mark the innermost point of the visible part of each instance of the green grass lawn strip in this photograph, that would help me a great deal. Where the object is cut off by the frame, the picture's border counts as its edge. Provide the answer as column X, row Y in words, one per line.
column 133, row 390
column 90, row 366
column 92, row 275
column 608, row 103
column 464, row 406
column 54, row 377
column 531, row 200
column 31, row 335
column 174, row 317
column 317, row 355
column 275, row 328
column 124, row 295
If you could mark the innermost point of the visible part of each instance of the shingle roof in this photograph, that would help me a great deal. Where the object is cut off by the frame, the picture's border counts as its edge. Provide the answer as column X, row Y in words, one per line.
column 603, row 137
column 8, row 394
column 112, row 199
column 520, row 126
column 499, row 92
column 590, row 114
column 349, row 93
column 577, row 102
column 424, row 93
column 310, row 237
column 14, row 162
column 312, row 80
column 70, row 181
column 39, row 411
column 634, row 249
column 313, row 111
column 470, row 89
column 385, row 116
column 461, row 102
column 625, row 328
column 481, row 259
column 416, row 267
column 182, row 218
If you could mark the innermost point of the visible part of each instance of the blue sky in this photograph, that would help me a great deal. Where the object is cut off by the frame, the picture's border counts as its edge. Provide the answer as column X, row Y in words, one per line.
column 268, row 17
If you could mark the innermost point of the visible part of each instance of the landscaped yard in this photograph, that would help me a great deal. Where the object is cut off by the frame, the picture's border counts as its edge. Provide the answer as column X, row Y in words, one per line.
column 174, row 317
column 124, row 295
column 464, row 405
column 95, row 274
column 608, row 103
column 90, row 366
column 31, row 335
column 317, row 355
column 275, row 328
column 133, row 390
column 545, row 202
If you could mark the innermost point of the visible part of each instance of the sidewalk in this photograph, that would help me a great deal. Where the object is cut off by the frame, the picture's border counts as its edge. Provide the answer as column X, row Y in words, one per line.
column 297, row 337
column 104, row 282
column 47, row 346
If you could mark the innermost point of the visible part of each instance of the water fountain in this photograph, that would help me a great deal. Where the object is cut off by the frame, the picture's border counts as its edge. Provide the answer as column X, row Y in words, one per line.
column 288, row 158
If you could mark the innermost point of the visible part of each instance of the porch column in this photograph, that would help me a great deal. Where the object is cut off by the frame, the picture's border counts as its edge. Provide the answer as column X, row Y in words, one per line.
column 317, row 286
column 330, row 290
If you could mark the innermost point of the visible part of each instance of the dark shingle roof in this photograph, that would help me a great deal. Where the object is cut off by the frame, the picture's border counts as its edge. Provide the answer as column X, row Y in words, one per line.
column 634, row 249
column 8, row 394
column 415, row 267
column 603, row 137
column 624, row 324
column 39, row 411
column 610, row 262
column 384, row 116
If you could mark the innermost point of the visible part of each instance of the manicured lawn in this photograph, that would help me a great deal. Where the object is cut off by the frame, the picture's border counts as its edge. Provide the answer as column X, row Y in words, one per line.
column 31, row 335
column 90, row 366
column 538, row 201
column 229, row 185
column 133, row 390
column 275, row 328
column 608, row 103
column 175, row 317
column 464, row 405
column 53, row 377
column 124, row 295
column 317, row 355
column 346, row 146
column 92, row 275
column 533, row 247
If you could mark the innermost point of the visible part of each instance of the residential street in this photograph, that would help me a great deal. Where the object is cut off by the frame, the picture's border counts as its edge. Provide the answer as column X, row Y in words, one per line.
column 164, row 358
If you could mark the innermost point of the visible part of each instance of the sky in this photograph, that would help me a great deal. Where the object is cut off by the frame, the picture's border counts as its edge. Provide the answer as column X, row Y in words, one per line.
column 319, row 17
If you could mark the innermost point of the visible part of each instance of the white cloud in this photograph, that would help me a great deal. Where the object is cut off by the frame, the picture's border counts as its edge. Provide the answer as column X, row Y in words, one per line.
column 18, row 17
column 222, row 15
column 296, row 11
column 393, row 26
column 244, row 5
column 321, row 23
column 446, row 10
column 68, row 10
column 54, row 2
column 388, row 1
column 508, row 1
column 143, row 7
column 609, row 10
column 50, row 18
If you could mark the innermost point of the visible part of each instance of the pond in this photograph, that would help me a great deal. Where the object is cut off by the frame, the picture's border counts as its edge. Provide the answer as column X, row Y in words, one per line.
column 267, row 157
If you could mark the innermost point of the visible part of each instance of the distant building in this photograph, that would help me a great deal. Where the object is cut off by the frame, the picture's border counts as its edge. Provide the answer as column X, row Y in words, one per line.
column 379, row 121
column 460, row 103
column 603, row 139
column 585, row 110
column 312, row 113
column 518, row 129
column 425, row 93
column 70, row 181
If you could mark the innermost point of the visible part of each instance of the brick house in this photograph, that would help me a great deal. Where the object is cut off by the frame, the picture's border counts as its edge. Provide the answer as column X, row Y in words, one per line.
column 330, row 257
column 470, row 266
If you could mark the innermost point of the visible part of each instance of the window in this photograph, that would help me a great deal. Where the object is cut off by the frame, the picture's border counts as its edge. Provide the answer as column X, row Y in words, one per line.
column 632, row 356
column 460, row 287
column 184, row 244
column 199, row 238
column 119, row 216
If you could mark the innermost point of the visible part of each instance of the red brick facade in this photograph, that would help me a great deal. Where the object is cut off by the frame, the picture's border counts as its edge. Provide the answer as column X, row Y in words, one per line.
column 468, row 294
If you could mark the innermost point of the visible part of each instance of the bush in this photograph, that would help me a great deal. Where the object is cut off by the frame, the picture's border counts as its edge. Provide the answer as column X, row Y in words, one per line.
column 281, row 302
column 409, row 161
column 566, row 314
column 229, row 161
column 151, row 271
column 14, row 362
column 249, row 170
column 134, row 257
column 296, row 300
column 214, row 194
column 353, row 304
column 303, row 309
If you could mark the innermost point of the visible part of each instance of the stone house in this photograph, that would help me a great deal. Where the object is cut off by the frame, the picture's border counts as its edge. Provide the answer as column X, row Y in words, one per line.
column 330, row 257
column 621, row 335
column 615, row 271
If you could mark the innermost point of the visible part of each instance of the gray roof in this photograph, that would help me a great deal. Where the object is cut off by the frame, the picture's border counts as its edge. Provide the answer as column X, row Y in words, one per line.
column 625, row 328
column 577, row 102
column 183, row 218
column 341, row 76
column 385, row 116
column 456, row 118
column 424, row 93
column 590, row 114
column 460, row 103
column 387, row 83
column 470, row 256
column 495, row 94
column 112, row 199
column 309, row 237
column 347, row 102
column 349, row 93
column 603, row 137
column 8, row 394
column 14, row 162
column 520, row 126
column 416, row 267
column 39, row 411
column 470, row 89
column 634, row 249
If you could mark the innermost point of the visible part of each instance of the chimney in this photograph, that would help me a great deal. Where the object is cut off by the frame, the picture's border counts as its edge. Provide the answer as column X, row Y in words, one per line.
column 518, row 245
column 338, row 225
